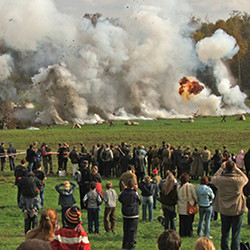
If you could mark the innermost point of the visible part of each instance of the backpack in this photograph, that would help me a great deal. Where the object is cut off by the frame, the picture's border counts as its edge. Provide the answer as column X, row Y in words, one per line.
column 78, row 176
column 104, row 155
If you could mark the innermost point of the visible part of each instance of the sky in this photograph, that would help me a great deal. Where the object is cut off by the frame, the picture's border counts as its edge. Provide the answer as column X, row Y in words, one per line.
column 211, row 10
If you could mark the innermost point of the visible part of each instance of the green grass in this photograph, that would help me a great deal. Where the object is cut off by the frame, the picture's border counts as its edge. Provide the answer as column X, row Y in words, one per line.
column 204, row 131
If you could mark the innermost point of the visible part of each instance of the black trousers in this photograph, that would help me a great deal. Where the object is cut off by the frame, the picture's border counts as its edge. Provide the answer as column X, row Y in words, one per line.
column 83, row 189
column 30, row 221
column 186, row 225
column 3, row 160
column 63, row 211
column 129, row 233
column 12, row 163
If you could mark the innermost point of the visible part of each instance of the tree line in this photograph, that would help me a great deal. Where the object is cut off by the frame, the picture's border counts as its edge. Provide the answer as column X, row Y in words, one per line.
column 238, row 26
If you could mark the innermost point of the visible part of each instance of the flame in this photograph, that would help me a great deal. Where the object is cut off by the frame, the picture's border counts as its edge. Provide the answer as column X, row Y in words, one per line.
column 189, row 85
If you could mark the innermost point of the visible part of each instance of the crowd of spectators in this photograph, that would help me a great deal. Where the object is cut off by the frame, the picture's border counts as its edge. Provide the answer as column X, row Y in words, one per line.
column 157, row 175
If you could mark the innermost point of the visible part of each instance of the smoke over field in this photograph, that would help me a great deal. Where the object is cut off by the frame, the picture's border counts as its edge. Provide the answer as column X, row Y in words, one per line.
column 89, row 68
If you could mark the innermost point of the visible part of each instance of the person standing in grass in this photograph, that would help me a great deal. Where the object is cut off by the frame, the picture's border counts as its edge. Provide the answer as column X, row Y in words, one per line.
column 84, row 181
column 72, row 235
column 126, row 176
column 47, row 227
column 168, row 198
column 130, row 200
column 156, row 179
column 2, row 154
column 196, row 165
column 66, row 197
column 230, row 202
column 205, row 198
column 42, row 177
column 93, row 200
column 148, row 188
column 30, row 201
column 20, row 172
column 206, row 157
column 12, row 155
column 74, row 157
column 110, row 197
column 186, row 193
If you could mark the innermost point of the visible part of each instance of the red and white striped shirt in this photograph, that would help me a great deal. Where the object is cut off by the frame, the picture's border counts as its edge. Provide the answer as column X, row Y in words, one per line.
column 69, row 239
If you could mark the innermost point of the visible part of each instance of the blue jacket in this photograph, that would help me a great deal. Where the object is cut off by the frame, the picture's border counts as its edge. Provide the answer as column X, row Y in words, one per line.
column 205, row 195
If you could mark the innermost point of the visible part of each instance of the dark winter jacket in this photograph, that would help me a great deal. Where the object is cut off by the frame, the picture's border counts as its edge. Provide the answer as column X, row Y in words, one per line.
column 31, row 155
column 140, row 163
column 147, row 188
column 85, row 172
column 130, row 200
column 74, row 157
column 66, row 197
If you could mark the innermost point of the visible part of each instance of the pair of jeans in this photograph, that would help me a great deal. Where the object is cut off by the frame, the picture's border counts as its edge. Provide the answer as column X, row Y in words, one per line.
column 30, row 166
column 205, row 214
column 93, row 216
column 147, row 201
column 42, row 195
column 169, row 218
column 129, row 233
column 228, row 222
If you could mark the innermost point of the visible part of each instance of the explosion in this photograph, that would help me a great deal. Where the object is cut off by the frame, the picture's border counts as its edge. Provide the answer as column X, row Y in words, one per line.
column 87, row 69
column 189, row 85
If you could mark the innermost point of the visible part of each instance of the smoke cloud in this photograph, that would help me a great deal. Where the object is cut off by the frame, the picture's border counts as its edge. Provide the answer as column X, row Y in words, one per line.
column 212, row 51
column 90, row 68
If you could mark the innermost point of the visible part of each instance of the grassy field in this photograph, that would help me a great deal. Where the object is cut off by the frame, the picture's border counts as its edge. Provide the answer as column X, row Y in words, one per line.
column 204, row 131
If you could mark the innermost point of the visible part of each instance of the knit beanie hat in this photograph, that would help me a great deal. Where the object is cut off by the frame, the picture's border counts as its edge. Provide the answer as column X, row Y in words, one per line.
column 73, row 216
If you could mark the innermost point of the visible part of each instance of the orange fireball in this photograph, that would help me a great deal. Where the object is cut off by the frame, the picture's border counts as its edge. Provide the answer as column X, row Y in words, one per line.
column 189, row 85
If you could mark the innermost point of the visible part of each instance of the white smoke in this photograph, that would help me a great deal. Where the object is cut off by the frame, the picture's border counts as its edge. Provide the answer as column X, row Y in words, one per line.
column 6, row 68
column 93, row 68
column 6, row 65
column 212, row 50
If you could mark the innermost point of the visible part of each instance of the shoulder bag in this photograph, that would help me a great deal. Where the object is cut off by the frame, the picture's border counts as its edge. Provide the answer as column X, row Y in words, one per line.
column 191, row 209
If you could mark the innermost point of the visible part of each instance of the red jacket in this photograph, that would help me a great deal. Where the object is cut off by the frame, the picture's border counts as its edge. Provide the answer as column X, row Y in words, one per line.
column 68, row 239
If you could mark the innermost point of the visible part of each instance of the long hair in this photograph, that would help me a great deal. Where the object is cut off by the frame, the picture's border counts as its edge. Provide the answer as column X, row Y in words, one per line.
column 48, row 223
column 169, row 183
